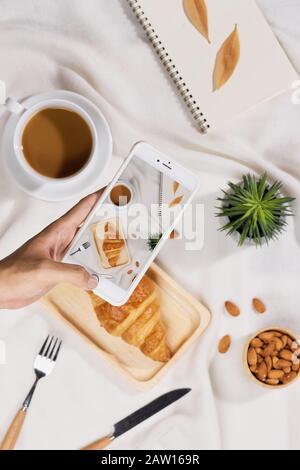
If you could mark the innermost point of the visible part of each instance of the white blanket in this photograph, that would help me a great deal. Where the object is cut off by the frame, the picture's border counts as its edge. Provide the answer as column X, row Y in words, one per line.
column 95, row 48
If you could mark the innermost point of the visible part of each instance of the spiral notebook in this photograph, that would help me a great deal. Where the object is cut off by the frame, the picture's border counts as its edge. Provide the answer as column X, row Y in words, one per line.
column 221, row 54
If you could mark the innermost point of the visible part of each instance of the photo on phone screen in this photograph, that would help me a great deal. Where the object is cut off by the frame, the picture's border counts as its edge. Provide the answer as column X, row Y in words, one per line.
column 129, row 225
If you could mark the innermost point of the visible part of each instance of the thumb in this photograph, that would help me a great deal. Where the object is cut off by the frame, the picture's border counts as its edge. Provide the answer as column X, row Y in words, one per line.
column 71, row 273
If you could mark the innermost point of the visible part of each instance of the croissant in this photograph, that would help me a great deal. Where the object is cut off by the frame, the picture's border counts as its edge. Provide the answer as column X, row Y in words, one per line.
column 137, row 322
column 110, row 244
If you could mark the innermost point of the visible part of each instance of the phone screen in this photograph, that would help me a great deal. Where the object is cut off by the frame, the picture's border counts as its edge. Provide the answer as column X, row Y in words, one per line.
column 126, row 229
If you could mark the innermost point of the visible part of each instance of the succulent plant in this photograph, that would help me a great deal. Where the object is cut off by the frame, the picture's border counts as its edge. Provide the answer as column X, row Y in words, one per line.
column 255, row 209
column 153, row 240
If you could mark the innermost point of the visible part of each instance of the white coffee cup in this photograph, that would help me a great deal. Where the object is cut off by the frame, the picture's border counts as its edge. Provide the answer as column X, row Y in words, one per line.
column 131, row 190
column 26, row 114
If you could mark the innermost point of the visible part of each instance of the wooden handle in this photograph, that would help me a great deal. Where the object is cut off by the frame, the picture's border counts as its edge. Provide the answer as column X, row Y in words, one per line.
column 12, row 434
column 101, row 444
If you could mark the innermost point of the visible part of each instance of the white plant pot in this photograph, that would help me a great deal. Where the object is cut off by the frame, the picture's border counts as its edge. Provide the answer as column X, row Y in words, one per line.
column 236, row 235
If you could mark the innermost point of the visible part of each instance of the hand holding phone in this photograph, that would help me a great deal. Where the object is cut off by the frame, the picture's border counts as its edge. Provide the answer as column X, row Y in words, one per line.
column 133, row 218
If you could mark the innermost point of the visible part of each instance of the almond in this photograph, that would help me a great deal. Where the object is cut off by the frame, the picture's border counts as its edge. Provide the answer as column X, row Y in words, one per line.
column 288, row 377
column 232, row 309
column 296, row 352
column 275, row 361
column 259, row 358
column 224, row 344
column 286, row 354
column 276, row 333
column 256, row 343
column 275, row 374
column 268, row 350
column 252, row 357
column 259, row 306
column 282, row 364
column 277, row 357
column 278, row 343
column 272, row 381
column 294, row 346
column 268, row 362
column 284, row 339
column 266, row 336
column 262, row 371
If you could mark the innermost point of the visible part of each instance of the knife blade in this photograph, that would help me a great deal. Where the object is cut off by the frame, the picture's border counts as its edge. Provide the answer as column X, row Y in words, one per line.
column 139, row 416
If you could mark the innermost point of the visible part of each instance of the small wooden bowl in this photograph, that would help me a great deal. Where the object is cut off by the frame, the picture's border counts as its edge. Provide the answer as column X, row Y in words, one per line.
column 245, row 357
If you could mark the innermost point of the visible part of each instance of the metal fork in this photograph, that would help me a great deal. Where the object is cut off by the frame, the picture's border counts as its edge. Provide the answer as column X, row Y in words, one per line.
column 82, row 247
column 43, row 366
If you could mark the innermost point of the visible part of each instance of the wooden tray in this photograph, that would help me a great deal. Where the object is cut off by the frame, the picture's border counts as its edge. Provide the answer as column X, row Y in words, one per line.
column 185, row 319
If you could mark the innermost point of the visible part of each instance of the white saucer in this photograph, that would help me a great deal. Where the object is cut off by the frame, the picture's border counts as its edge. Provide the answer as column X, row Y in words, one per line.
column 94, row 177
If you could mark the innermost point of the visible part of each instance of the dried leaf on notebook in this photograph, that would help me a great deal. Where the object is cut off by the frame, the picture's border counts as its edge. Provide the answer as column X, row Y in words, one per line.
column 173, row 235
column 227, row 59
column 196, row 11
column 176, row 201
column 175, row 187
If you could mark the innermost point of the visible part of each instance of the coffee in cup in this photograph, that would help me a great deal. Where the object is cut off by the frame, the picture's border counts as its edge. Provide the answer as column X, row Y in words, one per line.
column 121, row 194
column 57, row 142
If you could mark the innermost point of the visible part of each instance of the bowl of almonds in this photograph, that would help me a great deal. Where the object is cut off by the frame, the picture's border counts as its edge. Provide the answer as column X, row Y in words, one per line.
column 272, row 357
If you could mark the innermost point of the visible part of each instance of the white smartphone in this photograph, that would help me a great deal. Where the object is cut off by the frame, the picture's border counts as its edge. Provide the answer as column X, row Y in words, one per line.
column 132, row 220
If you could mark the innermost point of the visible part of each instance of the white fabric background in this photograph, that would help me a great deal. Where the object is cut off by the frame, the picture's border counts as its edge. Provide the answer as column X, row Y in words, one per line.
column 95, row 48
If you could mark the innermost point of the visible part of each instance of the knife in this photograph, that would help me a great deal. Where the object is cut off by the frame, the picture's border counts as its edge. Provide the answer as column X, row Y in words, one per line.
column 138, row 417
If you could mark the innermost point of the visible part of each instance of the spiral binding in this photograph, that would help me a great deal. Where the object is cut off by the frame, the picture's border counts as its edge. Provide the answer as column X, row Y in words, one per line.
column 160, row 200
column 169, row 65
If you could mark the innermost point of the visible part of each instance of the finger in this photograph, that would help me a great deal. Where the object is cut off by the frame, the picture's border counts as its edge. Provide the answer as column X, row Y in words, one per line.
column 77, row 215
column 53, row 241
column 55, row 273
